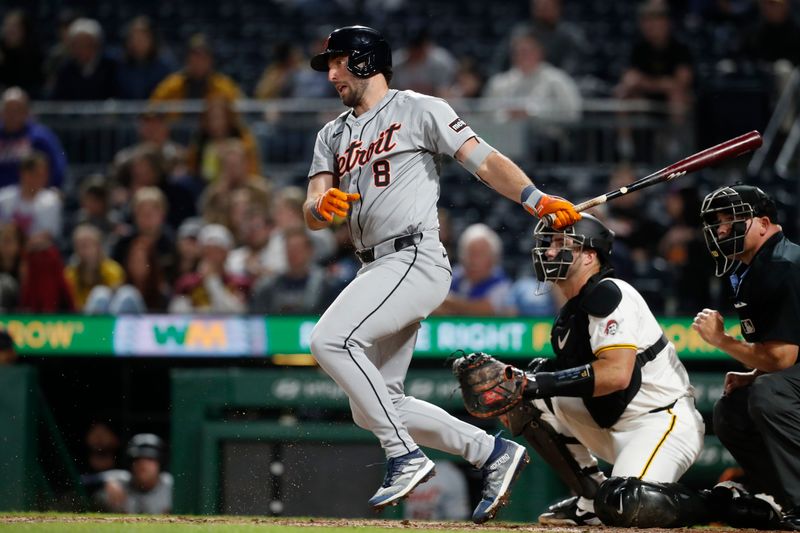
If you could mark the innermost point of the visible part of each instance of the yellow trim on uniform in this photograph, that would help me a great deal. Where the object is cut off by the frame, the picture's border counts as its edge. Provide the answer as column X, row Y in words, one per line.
column 615, row 346
column 658, row 446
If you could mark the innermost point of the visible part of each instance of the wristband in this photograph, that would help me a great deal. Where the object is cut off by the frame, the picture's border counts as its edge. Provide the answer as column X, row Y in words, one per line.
column 577, row 382
column 529, row 198
column 315, row 212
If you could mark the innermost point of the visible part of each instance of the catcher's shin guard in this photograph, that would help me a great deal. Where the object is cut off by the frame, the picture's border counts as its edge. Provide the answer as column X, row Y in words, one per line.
column 525, row 419
column 631, row 502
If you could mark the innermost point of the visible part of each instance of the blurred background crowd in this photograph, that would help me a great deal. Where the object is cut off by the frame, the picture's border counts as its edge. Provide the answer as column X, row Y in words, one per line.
column 118, row 198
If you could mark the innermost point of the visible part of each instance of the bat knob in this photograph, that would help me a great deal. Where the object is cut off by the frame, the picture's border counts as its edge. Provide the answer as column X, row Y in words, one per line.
column 549, row 220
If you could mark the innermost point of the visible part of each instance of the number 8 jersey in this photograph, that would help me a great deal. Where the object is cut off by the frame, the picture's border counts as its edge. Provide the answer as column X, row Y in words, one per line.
column 390, row 156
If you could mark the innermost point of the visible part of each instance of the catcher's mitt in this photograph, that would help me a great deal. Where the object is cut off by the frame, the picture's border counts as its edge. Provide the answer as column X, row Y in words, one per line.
column 489, row 388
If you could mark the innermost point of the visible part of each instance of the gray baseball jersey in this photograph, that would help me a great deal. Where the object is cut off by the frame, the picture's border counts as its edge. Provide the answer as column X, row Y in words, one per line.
column 390, row 156
column 365, row 339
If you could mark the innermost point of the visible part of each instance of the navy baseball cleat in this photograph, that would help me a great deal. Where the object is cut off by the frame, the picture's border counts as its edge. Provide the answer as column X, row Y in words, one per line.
column 403, row 474
column 499, row 473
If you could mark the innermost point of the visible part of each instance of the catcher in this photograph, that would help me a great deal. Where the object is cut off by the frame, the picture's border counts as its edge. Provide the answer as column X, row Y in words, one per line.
column 615, row 390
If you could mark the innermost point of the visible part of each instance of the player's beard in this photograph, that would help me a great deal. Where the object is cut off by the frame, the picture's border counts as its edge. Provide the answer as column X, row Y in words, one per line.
column 355, row 93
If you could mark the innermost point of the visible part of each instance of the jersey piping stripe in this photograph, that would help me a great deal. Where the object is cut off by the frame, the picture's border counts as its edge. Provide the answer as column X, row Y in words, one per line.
column 658, row 446
column 372, row 386
column 358, row 218
column 615, row 347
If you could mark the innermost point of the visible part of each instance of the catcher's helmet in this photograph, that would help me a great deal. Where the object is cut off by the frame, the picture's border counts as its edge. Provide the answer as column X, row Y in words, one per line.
column 145, row 445
column 588, row 232
column 738, row 204
column 367, row 51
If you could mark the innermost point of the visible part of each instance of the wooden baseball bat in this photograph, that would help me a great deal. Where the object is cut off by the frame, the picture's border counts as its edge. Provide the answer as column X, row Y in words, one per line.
column 708, row 157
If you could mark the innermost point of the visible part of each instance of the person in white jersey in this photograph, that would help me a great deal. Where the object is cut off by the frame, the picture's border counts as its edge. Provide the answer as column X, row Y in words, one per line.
column 615, row 390
column 377, row 165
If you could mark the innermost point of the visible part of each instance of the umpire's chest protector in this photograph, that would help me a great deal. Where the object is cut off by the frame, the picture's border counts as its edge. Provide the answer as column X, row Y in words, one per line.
column 571, row 343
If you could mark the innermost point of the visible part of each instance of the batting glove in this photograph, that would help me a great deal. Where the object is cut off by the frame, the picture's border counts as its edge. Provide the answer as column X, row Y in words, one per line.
column 333, row 202
column 563, row 210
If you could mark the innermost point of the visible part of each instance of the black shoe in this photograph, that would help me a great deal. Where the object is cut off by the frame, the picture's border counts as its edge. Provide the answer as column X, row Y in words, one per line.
column 567, row 513
column 731, row 503
column 791, row 520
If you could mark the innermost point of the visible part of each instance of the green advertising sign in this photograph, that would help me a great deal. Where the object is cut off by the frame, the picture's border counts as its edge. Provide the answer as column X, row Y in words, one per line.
column 61, row 334
column 238, row 336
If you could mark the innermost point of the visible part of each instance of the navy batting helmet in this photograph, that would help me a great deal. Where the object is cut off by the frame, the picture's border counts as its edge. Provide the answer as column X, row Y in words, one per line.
column 367, row 51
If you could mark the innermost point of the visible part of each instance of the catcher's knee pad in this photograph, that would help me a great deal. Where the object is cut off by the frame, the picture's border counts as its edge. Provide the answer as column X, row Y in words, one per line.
column 631, row 502
column 526, row 420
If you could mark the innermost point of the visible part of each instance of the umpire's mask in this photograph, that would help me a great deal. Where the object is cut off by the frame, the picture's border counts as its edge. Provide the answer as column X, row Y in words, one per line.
column 554, row 250
column 725, row 213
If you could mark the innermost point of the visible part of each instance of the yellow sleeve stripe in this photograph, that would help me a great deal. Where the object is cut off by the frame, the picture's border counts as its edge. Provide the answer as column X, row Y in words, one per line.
column 658, row 446
column 615, row 347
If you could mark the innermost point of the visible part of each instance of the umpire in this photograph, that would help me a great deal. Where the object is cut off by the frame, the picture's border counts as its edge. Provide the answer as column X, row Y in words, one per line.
column 759, row 410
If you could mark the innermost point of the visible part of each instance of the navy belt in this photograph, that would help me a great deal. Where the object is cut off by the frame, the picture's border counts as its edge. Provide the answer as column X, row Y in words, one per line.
column 368, row 255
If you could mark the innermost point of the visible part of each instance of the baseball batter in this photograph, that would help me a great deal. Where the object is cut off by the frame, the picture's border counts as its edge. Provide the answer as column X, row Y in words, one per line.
column 377, row 164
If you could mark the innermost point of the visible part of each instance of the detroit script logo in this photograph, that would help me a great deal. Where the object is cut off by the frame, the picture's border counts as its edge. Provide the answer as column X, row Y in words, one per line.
column 356, row 155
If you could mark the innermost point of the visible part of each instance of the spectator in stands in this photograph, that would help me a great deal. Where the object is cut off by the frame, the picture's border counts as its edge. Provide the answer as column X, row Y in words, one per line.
column 251, row 260
column 197, row 79
column 287, row 212
column 95, row 210
column 660, row 66
column 34, row 207
column 775, row 36
column 278, row 79
column 480, row 287
column 302, row 290
column 565, row 45
column 310, row 83
column 342, row 266
column 528, row 297
column 58, row 54
column 149, row 217
column 88, row 74
column 90, row 268
column 20, row 135
column 423, row 66
column 145, row 271
column 219, row 124
column 683, row 246
column 548, row 92
column 153, row 130
column 211, row 289
column 12, row 245
column 43, row 287
column 8, row 355
column 143, row 66
column 147, row 168
column 145, row 488
column 235, row 174
column 468, row 81
column 21, row 57
column 187, row 246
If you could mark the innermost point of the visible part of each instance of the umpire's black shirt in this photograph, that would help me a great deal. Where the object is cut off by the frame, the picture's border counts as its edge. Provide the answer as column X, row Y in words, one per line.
column 767, row 292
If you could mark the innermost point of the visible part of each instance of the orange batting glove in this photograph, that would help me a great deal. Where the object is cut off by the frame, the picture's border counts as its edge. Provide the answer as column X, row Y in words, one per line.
column 333, row 202
column 540, row 205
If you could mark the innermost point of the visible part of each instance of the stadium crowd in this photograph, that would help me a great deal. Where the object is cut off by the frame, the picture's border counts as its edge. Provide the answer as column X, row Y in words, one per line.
column 202, row 227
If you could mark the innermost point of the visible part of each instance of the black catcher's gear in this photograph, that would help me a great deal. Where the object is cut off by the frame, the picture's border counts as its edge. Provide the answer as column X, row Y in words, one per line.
column 632, row 502
column 553, row 249
column 489, row 388
column 367, row 51
column 738, row 204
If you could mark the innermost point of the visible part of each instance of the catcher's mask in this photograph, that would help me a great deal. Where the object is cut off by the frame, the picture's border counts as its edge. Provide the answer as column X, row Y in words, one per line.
column 725, row 213
column 554, row 250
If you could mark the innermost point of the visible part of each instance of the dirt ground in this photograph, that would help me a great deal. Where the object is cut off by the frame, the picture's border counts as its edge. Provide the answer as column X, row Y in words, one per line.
column 336, row 522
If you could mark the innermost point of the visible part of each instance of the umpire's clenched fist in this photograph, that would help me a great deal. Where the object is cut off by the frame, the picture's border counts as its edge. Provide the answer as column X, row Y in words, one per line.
column 709, row 324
